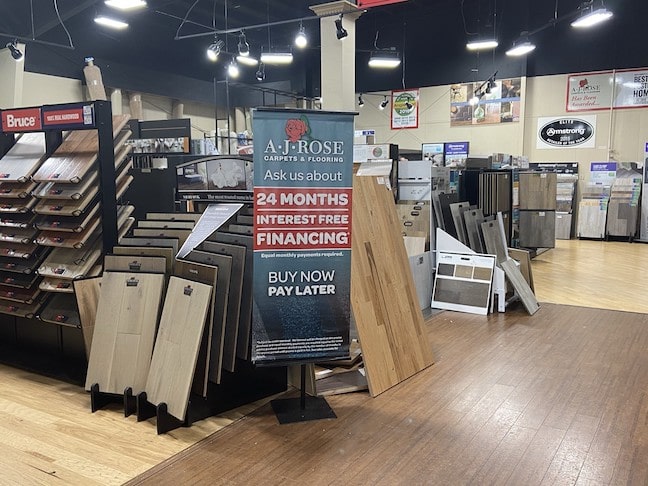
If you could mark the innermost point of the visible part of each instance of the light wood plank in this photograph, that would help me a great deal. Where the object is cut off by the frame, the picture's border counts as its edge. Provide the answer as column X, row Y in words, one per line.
column 87, row 292
column 125, row 263
column 24, row 158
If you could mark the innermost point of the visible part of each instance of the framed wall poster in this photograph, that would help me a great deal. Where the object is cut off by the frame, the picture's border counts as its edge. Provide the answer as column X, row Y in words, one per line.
column 405, row 109
column 590, row 91
column 631, row 88
column 501, row 105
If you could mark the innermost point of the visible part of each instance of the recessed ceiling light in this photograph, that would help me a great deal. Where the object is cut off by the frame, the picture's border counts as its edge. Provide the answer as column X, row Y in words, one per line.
column 110, row 22
column 126, row 4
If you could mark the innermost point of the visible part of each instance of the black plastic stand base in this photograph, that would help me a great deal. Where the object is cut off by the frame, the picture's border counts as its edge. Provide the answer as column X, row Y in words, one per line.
column 130, row 402
column 167, row 422
column 291, row 410
column 99, row 399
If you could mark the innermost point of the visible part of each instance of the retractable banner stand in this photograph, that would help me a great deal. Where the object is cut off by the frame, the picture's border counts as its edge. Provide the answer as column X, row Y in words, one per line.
column 303, row 169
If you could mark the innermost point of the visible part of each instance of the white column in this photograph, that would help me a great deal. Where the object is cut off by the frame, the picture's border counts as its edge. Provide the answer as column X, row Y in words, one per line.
column 12, row 75
column 116, row 101
column 178, row 109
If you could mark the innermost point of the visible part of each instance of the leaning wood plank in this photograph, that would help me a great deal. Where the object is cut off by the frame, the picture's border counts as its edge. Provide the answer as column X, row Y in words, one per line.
column 187, row 225
column 524, row 259
column 161, row 242
column 174, row 216
column 61, row 285
column 147, row 264
column 167, row 253
column 181, row 235
column 214, row 333
column 23, row 158
column 87, row 298
column 493, row 240
column 24, row 266
column 383, row 297
column 124, row 332
column 176, row 347
column 520, row 285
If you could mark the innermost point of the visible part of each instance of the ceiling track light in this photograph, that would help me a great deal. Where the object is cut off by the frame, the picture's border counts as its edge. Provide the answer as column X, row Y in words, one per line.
column 301, row 41
column 110, row 22
column 16, row 53
column 341, row 32
column 521, row 49
column 243, row 46
column 125, row 4
column 247, row 60
column 360, row 100
column 384, row 103
column 386, row 59
column 482, row 45
column 260, row 74
column 233, row 70
column 276, row 57
column 214, row 50
column 590, row 16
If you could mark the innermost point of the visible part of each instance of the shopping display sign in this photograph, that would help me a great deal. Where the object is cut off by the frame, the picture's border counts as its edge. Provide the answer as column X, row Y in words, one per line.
column 405, row 109
column 631, row 89
column 69, row 117
column 303, row 169
column 590, row 91
column 485, row 103
column 21, row 120
column 455, row 153
column 603, row 173
column 567, row 132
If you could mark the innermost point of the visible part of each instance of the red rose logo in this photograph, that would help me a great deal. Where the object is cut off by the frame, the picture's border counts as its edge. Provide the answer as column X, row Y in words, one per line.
column 295, row 129
column 583, row 83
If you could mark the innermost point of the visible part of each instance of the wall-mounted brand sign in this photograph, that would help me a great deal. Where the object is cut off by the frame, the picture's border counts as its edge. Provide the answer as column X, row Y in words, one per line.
column 21, row 120
column 405, row 109
column 627, row 88
column 566, row 132
column 68, row 116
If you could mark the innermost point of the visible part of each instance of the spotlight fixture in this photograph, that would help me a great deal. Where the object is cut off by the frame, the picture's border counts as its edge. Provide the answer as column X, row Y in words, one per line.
column 16, row 53
column 233, row 70
column 126, row 4
column 521, row 48
column 482, row 45
column 247, row 60
column 301, row 41
column 384, row 103
column 341, row 31
column 260, row 74
column 214, row 50
column 360, row 100
column 110, row 22
column 591, row 16
column 276, row 57
column 243, row 46
column 387, row 59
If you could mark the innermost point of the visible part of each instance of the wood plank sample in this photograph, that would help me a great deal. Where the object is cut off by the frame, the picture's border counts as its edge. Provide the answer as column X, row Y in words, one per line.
column 17, row 235
column 238, row 290
column 14, row 294
column 167, row 253
column 17, row 220
column 70, row 263
column 17, row 250
column 17, row 189
column 24, row 266
column 157, row 242
column 188, row 225
column 493, row 241
column 538, row 229
column 73, row 224
column 240, row 229
column 60, row 285
column 22, row 310
column 86, row 292
column 20, row 162
column 18, row 280
column 538, row 190
column 62, row 310
column 122, row 343
column 243, row 341
column 214, row 334
column 176, row 346
column 16, row 206
column 174, row 216
column 181, row 235
column 59, row 190
column 520, row 285
column 457, row 210
column 473, row 219
column 68, row 207
column 523, row 257
column 68, row 239
column 147, row 264
column 383, row 297
column 224, row 264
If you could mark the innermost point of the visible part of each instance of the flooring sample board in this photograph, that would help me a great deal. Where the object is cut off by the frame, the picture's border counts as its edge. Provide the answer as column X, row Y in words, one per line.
column 60, row 285
column 176, row 346
column 24, row 266
column 59, row 190
column 62, row 310
column 17, row 189
column 17, row 250
column 18, row 280
column 383, row 296
column 22, row 310
column 592, row 214
column 463, row 282
column 86, row 292
column 16, row 206
column 563, row 226
column 421, row 268
column 523, row 257
column 71, row 239
column 68, row 207
column 457, row 210
column 223, row 304
column 214, row 333
column 174, row 216
column 436, row 209
column 70, row 263
column 243, row 341
column 622, row 216
column 338, row 383
column 157, row 242
column 187, row 225
column 473, row 219
column 25, row 296
column 152, row 251
column 445, row 200
column 538, row 229
column 181, row 235
column 17, row 220
column 239, row 292
column 17, row 235
column 122, row 343
column 493, row 240
column 520, row 285
column 538, row 190
column 20, row 162
column 415, row 219
column 240, row 229
column 73, row 224
column 147, row 264
column 414, row 245
column 244, row 219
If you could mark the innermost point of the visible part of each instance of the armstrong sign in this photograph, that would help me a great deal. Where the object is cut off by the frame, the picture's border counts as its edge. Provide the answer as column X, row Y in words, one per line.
column 566, row 132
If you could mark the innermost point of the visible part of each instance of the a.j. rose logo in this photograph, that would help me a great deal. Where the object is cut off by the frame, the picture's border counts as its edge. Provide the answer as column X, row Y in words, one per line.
column 300, row 142
column 584, row 86
column 297, row 128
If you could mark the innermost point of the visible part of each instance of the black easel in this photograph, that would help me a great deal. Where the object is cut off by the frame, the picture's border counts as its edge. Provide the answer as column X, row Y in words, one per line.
column 302, row 409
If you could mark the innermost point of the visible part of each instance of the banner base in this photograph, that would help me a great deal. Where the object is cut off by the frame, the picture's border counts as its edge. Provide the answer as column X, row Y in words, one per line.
column 291, row 410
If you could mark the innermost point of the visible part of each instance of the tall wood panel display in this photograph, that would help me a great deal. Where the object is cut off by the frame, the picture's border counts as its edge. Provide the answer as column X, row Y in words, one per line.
column 383, row 296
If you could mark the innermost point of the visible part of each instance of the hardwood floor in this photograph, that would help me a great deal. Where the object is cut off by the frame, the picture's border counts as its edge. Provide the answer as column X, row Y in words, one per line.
column 560, row 397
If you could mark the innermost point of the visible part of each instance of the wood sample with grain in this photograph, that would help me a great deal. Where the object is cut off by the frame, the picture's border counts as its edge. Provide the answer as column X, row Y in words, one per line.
column 74, row 224
column 14, row 294
column 538, row 229
column 17, row 250
column 19, row 309
column 181, row 235
column 60, row 190
column 122, row 343
column 62, row 310
column 52, row 284
column 538, row 190
column 71, row 239
column 156, row 242
column 86, row 292
column 18, row 280
column 18, row 190
column 68, row 207
column 20, row 162
column 493, row 240
column 176, row 347
column 383, row 297
column 520, row 285
column 16, row 206
column 70, row 263
column 186, row 225
column 166, row 253
column 145, row 264
column 174, row 216
column 17, row 235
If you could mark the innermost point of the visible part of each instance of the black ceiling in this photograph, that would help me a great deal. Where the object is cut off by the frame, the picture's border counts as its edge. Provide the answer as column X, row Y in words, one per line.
column 432, row 34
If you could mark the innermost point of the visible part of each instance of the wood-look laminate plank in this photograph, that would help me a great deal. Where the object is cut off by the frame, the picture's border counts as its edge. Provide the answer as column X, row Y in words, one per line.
column 180, row 235
column 17, row 235
column 177, row 343
column 68, row 207
column 20, row 162
column 18, row 280
column 57, row 190
column 70, row 263
column 124, row 333
column 67, row 239
column 17, row 250
column 154, row 242
column 167, row 253
column 25, row 296
column 16, row 206
column 17, row 189
column 186, row 225
column 538, row 191
column 174, row 216
column 74, row 224
column 51, row 284
column 493, row 241
column 60, row 309
column 144, row 264
column 520, row 285
column 86, row 292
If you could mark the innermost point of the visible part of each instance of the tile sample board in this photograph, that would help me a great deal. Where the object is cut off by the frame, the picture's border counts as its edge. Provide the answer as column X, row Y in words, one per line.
column 237, row 290
column 520, row 285
column 563, row 226
column 177, row 343
column 537, row 229
column 62, row 310
column 243, row 340
column 86, row 292
column 166, row 253
column 538, row 190
column 214, row 333
column 445, row 200
column 20, row 162
column 122, row 343
column 383, row 296
column 222, row 304
column 463, row 282
column 493, row 240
